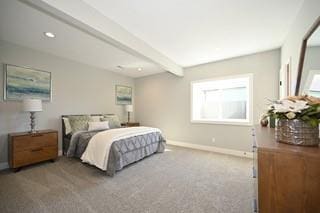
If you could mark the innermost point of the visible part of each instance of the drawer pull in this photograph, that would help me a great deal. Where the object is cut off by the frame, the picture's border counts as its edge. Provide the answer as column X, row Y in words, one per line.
column 255, row 206
column 254, row 143
column 254, row 172
column 36, row 150
column 253, row 132
column 37, row 135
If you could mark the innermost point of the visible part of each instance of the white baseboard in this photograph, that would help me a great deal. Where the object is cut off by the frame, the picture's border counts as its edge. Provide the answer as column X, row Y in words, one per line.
column 212, row 149
column 4, row 165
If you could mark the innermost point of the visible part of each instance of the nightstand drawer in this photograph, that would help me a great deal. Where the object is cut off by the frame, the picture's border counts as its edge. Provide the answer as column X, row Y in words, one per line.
column 27, row 148
column 34, row 155
column 34, row 141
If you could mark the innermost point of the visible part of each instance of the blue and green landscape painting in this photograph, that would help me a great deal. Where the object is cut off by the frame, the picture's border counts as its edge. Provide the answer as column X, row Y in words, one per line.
column 124, row 95
column 22, row 83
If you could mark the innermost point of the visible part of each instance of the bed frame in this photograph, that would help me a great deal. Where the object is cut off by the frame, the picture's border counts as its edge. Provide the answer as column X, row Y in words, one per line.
column 66, row 138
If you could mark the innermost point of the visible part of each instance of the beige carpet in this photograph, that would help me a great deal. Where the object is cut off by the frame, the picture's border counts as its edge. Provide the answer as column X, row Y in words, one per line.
column 179, row 180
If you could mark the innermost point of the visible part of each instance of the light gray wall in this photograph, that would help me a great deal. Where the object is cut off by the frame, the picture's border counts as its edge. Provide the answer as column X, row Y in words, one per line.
column 77, row 89
column 163, row 100
column 307, row 15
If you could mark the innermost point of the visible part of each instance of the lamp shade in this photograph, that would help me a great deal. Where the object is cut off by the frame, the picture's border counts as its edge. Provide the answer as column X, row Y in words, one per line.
column 32, row 105
column 129, row 108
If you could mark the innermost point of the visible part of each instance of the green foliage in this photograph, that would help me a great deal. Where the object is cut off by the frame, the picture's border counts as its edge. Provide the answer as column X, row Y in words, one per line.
column 310, row 115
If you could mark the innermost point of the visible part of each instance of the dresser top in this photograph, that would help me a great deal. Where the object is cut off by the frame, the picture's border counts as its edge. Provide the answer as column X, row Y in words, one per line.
column 265, row 139
column 28, row 133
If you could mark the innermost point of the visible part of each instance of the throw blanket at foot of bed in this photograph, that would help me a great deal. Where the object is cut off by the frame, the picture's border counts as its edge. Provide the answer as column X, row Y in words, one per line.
column 122, row 146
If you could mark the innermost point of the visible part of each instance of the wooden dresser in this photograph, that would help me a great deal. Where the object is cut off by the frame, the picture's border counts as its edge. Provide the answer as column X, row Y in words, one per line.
column 287, row 177
column 27, row 148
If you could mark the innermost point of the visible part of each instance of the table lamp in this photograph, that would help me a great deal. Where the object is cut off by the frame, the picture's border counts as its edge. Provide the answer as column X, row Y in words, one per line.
column 129, row 108
column 32, row 106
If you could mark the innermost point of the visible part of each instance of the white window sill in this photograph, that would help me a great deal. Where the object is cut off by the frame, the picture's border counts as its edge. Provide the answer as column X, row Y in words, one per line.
column 234, row 123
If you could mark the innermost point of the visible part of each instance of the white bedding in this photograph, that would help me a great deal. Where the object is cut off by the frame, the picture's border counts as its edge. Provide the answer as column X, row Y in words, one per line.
column 97, row 151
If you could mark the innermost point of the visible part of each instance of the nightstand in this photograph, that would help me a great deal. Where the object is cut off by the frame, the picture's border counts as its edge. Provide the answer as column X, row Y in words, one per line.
column 27, row 148
column 130, row 124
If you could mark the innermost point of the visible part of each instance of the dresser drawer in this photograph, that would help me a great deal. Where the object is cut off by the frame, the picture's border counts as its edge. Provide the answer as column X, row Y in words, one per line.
column 34, row 141
column 254, row 143
column 34, row 155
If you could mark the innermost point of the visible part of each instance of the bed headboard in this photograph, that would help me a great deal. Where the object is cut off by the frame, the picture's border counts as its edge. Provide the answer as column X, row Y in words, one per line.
column 66, row 138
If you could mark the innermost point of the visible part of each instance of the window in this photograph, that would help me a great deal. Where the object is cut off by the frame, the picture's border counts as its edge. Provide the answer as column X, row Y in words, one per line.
column 222, row 101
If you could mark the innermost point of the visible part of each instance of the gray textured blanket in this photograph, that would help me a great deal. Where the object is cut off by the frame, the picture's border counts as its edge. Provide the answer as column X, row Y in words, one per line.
column 122, row 152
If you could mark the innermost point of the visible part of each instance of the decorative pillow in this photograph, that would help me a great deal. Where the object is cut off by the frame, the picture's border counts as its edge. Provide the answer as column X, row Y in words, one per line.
column 114, row 121
column 100, row 125
column 79, row 122
column 96, row 118
column 67, row 126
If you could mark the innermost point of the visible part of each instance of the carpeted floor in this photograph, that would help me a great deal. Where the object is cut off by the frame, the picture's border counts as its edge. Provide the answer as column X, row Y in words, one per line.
column 179, row 180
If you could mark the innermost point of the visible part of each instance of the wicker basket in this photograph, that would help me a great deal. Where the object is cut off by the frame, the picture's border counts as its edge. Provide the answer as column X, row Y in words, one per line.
column 297, row 132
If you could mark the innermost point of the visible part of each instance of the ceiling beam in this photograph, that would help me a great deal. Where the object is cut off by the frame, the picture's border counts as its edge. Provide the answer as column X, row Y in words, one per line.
column 84, row 17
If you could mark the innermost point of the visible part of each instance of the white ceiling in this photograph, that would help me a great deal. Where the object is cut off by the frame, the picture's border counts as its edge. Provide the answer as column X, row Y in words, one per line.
column 24, row 25
column 193, row 32
column 188, row 32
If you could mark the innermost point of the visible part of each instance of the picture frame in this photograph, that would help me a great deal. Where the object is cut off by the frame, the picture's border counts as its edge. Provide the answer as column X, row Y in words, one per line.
column 123, row 95
column 26, row 83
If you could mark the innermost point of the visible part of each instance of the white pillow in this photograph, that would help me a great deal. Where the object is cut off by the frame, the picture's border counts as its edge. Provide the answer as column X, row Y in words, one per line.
column 93, row 125
column 67, row 125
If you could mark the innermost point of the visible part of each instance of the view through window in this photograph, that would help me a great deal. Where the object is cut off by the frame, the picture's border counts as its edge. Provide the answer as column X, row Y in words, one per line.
column 226, row 100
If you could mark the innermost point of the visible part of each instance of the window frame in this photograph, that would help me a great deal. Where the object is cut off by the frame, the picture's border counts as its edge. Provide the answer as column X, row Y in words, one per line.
column 237, row 122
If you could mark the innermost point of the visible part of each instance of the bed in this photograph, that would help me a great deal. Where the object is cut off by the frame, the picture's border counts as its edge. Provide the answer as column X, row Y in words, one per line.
column 112, row 149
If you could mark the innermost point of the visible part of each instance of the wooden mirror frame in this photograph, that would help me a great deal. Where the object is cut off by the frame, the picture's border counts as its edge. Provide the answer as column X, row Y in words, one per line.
column 313, row 28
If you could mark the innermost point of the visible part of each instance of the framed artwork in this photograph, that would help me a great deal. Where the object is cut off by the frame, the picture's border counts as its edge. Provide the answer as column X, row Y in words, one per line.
column 26, row 83
column 123, row 95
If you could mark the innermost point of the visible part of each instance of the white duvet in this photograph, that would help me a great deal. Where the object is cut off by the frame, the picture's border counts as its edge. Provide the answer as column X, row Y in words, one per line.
column 97, row 151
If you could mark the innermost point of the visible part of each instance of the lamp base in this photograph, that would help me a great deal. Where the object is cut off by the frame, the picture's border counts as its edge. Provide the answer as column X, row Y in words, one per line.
column 32, row 122
column 128, row 117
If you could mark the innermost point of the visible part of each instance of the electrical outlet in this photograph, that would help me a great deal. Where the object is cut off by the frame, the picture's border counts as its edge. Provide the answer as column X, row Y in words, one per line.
column 213, row 140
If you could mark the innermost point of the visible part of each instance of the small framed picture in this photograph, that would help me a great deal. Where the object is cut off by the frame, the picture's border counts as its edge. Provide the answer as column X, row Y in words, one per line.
column 123, row 95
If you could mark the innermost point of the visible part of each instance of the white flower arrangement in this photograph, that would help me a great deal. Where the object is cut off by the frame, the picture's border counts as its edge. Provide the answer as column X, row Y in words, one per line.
column 298, row 107
column 289, row 107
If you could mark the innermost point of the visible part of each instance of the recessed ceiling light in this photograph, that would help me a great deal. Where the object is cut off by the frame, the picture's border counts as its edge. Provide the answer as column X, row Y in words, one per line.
column 49, row 34
column 139, row 69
